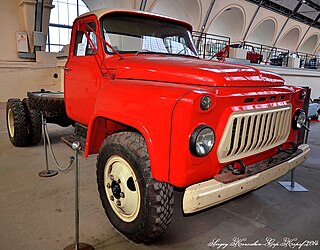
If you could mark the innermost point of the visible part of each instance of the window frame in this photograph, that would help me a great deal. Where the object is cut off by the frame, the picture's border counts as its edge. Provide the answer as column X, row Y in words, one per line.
column 80, row 5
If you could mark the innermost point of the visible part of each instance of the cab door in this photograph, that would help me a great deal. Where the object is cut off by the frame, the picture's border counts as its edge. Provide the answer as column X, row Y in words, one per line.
column 82, row 72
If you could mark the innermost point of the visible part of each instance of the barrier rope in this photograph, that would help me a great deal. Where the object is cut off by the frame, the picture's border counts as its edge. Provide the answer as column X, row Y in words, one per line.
column 46, row 137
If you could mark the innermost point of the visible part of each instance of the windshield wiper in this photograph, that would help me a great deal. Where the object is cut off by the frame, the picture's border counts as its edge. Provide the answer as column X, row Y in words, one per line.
column 162, row 53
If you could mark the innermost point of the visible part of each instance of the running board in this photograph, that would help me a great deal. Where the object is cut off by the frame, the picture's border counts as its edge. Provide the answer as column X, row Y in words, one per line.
column 79, row 135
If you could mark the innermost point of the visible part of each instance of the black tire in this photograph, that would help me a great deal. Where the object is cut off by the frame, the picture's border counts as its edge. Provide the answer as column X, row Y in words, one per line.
column 35, row 127
column 51, row 103
column 25, row 102
column 34, row 124
column 151, row 215
column 17, row 122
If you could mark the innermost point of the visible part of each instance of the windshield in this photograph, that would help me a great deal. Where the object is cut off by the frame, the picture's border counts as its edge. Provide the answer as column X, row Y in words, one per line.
column 133, row 34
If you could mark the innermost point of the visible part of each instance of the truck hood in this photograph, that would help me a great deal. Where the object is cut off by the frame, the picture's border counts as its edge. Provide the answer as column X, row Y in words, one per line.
column 186, row 70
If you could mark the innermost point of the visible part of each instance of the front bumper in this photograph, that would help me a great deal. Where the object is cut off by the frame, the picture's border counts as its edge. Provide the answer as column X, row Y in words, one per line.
column 209, row 193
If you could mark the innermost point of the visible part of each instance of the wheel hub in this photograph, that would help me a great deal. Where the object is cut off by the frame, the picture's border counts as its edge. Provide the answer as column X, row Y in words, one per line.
column 10, row 122
column 122, row 188
column 116, row 190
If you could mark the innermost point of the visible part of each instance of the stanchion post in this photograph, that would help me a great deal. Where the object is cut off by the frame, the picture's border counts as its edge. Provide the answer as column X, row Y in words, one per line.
column 292, row 178
column 76, row 245
column 307, row 133
column 76, row 147
column 291, row 185
column 47, row 172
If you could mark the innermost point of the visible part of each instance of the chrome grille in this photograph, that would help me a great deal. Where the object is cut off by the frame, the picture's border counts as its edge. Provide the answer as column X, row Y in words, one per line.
column 254, row 131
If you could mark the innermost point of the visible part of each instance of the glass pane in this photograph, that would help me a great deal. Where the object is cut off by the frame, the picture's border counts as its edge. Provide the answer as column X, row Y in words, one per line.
column 54, row 14
column 63, row 13
column 54, row 35
column 64, row 37
column 55, row 48
column 69, row 34
column 129, row 34
column 83, row 10
column 82, row 4
column 72, row 13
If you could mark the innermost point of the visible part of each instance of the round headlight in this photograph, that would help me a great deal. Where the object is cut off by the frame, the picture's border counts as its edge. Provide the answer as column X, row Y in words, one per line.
column 201, row 141
column 299, row 119
column 205, row 102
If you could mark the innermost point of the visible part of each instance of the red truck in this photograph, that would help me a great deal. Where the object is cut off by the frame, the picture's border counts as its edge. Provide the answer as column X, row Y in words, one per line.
column 160, row 117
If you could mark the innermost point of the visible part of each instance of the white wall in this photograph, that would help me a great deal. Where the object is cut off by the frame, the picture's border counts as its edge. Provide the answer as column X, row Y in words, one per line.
column 12, row 21
column 263, row 32
column 16, row 82
column 298, row 77
column 189, row 11
column 112, row 4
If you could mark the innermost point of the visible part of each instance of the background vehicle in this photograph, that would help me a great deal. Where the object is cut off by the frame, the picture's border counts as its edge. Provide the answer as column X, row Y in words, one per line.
column 159, row 117
column 314, row 110
column 279, row 60
column 252, row 55
column 312, row 63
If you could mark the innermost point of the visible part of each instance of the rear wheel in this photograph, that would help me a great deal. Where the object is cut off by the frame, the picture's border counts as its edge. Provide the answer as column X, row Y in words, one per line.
column 136, row 204
column 34, row 123
column 17, row 122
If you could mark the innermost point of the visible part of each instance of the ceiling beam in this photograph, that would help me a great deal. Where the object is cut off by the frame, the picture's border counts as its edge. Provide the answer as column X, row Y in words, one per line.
column 312, row 4
column 304, row 35
column 298, row 16
column 295, row 10
column 205, row 21
column 143, row 5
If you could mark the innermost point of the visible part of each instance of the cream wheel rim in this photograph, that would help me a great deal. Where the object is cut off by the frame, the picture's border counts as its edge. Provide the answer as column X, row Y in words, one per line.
column 122, row 188
column 10, row 122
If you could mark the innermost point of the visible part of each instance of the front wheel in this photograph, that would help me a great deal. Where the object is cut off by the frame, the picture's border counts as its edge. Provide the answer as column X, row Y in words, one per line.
column 137, row 205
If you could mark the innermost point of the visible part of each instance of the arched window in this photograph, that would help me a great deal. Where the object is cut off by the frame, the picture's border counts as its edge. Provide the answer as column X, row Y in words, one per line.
column 60, row 24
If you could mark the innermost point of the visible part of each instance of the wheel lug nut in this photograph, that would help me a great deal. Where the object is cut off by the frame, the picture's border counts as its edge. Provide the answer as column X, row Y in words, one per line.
column 108, row 185
column 122, row 195
column 112, row 198
column 111, row 177
column 118, row 203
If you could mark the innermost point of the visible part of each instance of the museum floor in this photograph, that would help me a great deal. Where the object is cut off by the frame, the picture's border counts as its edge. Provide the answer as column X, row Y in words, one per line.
column 38, row 213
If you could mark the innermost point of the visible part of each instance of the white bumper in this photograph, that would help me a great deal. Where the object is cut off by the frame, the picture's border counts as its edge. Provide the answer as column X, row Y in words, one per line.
column 209, row 193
